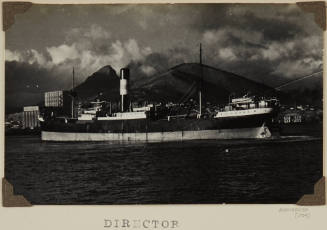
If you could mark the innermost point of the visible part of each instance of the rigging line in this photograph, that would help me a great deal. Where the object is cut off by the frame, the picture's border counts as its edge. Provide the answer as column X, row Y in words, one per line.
column 188, row 93
column 296, row 80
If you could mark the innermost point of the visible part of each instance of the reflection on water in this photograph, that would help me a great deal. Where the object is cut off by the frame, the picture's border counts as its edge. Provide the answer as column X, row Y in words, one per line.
column 238, row 171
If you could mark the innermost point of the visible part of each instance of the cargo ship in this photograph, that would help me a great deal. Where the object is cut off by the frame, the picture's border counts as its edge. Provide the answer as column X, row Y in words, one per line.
column 244, row 117
column 148, row 125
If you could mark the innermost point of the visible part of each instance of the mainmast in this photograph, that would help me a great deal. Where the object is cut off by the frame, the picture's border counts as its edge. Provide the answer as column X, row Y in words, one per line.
column 73, row 86
column 201, row 82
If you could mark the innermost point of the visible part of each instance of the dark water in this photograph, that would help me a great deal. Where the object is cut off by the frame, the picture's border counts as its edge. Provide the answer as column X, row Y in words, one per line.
column 238, row 171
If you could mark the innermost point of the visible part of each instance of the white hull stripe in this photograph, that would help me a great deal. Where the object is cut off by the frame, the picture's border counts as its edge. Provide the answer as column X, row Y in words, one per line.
column 246, row 133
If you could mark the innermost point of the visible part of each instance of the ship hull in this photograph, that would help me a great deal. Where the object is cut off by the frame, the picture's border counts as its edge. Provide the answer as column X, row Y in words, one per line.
column 246, row 133
column 246, row 127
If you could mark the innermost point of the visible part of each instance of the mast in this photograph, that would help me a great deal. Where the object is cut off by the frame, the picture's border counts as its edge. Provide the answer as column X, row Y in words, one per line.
column 73, row 92
column 201, row 82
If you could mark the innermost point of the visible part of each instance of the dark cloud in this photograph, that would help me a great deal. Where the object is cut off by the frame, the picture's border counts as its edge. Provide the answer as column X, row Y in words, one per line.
column 26, row 83
column 267, row 43
column 25, row 77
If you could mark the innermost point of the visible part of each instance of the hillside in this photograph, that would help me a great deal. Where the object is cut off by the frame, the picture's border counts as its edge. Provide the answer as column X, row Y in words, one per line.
column 183, row 79
column 104, row 81
column 178, row 83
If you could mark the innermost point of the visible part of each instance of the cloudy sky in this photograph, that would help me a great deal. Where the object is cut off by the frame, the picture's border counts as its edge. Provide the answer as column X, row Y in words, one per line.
column 262, row 42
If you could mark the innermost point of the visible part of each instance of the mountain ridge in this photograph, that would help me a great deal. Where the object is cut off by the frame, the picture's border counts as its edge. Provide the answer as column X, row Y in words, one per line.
column 172, row 84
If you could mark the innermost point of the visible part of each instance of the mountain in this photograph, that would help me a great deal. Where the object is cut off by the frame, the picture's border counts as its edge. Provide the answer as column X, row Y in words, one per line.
column 104, row 81
column 182, row 82
column 177, row 84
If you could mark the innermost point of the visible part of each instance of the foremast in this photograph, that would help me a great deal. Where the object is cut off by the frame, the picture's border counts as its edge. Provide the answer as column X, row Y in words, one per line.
column 201, row 84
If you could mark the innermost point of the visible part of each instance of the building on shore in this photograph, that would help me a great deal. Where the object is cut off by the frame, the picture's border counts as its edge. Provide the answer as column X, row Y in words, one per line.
column 30, row 117
column 294, row 117
column 299, row 114
column 58, row 103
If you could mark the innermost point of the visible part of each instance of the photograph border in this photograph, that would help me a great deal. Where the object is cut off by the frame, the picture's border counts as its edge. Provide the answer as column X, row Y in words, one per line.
column 9, row 199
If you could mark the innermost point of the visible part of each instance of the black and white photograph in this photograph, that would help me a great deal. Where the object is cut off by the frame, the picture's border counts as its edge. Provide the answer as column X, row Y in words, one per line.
column 110, row 104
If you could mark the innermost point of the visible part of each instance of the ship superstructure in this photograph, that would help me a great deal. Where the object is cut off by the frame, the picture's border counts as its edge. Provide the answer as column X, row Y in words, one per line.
column 248, row 106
